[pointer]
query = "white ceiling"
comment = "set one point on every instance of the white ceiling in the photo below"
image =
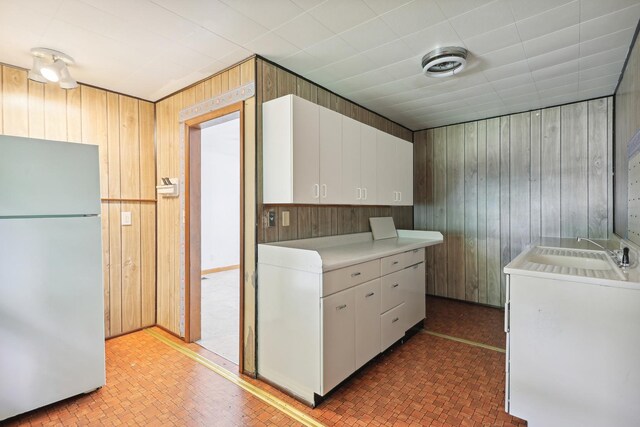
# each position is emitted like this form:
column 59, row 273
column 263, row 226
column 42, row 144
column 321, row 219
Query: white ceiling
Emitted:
column 525, row 54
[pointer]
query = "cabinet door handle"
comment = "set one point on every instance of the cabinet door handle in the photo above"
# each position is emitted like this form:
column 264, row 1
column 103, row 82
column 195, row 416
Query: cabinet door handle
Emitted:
column 395, row 285
column 316, row 191
column 340, row 307
column 357, row 273
column 359, row 196
column 399, row 196
column 394, row 262
column 395, row 320
column 324, row 191
column 365, row 193
column 370, row 294
column 395, row 196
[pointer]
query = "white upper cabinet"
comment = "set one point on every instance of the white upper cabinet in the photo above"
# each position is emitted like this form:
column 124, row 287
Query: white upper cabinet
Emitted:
column 314, row 155
column 330, row 155
column 291, row 142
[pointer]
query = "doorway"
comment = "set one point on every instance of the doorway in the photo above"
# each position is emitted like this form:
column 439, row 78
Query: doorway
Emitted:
column 214, row 195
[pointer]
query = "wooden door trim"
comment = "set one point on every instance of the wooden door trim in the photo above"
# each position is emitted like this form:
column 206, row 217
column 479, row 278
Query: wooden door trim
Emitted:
column 192, row 296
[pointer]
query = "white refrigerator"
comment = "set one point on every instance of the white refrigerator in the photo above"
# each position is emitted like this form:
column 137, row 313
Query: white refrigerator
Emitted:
column 51, row 292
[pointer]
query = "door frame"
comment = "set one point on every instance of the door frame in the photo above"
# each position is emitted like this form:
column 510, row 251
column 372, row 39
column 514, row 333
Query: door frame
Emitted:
column 192, row 217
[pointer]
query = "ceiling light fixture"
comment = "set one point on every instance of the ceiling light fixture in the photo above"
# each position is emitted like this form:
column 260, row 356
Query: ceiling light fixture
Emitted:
column 51, row 66
column 444, row 61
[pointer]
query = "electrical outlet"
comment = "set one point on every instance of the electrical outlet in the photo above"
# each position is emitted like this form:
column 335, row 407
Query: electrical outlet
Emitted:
column 285, row 218
column 125, row 218
column 271, row 219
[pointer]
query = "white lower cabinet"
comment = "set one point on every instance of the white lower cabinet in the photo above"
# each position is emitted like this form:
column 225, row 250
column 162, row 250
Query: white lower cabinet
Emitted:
column 415, row 288
column 338, row 338
column 392, row 325
column 367, row 321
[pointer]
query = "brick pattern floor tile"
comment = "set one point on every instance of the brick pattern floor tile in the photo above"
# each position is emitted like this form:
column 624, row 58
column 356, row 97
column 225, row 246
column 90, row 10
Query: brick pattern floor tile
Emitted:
column 425, row 381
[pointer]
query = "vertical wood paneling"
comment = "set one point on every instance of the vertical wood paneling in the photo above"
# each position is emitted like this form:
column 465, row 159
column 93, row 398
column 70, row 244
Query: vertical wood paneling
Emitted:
column 113, row 138
column 36, row 109
column 15, row 102
column 494, row 271
column 440, row 209
column 534, row 175
column 482, row 212
column 550, row 173
column 513, row 168
column 148, row 263
column 573, row 163
column 455, row 211
column 147, row 151
column 55, row 113
column 129, row 148
column 471, row 210
column 115, row 269
column 428, row 176
column 420, row 181
column 519, row 183
column 131, row 280
column 74, row 115
column 598, row 206
column 505, row 202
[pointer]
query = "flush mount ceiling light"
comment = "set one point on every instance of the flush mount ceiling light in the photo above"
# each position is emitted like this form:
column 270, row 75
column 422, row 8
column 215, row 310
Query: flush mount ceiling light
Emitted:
column 444, row 61
column 51, row 66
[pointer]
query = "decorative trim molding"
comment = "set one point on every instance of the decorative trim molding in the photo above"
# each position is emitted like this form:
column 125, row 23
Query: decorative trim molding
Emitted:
column 236, row 95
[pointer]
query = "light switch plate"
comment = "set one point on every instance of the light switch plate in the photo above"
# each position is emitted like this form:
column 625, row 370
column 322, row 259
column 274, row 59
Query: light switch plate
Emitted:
column 125, row 218
column 285, row 218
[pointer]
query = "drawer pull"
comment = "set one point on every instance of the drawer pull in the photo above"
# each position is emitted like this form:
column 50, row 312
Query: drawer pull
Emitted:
column 394, row 262
column 395, row 285
column 340, row 307
column 370, row 294
column 355, row 274
column 395, row 320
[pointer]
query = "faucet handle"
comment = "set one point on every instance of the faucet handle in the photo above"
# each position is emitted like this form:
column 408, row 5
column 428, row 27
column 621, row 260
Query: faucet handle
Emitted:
column 625, row 257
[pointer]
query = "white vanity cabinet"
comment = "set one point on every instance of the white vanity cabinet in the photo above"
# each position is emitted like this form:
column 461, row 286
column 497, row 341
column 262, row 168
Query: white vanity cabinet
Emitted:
column 327, row 306
column 314, row 155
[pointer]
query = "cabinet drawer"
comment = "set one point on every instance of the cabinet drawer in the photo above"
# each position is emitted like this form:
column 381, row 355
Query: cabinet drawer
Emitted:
column 393, row 263
column 415, row 256
column 393, row 290
column 392, row 326
column 343, row 278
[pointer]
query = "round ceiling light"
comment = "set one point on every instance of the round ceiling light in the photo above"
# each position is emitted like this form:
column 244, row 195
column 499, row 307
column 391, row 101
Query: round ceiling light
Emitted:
column 444, row 61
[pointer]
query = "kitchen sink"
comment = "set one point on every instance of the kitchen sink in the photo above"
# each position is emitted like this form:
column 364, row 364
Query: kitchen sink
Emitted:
column 575, row 262
column 571, row 262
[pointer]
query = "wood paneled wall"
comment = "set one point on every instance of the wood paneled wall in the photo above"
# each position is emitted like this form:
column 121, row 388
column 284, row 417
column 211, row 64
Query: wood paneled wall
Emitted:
column 492, row 186
column 123, row 127
column 627, row 118
column 310, row 220
column 169, row 161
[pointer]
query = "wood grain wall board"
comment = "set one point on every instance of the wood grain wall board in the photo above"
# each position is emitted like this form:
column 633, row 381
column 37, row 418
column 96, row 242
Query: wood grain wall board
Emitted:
column 305, row 221
column 216, row 85
column 106, row 266
column 129, row 148
column 347, row 219
column 471, row 211
column 440, row 209
column 247, row 73
column 55, row 113
column 94, row 130
column 306, row 90
column 429, row 210
column 519, row 182
column 113, row 137
column 147, row 150
column 505, row 203
column 324, row 221
column 286, row 83
column 534, row 175
column 402, row 217
column 324, row 97
column 36, row 109
column 573, row 162
column 74, row 115
column 482, row 212
column 148, row 263
column 224, row 82
column 131, row 280
column 598, row 202
column 15, row 102
column 455, row 211
column 420, row 181
column 550, row 173
column 494, row 259
column 115, row 270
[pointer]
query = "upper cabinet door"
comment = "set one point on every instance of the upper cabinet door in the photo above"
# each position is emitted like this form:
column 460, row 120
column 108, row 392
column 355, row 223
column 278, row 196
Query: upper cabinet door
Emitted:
column 291, row 171
column 352, row 193
column 368, row 165
column 387, row 167
column 405, row 172
column 330, row 154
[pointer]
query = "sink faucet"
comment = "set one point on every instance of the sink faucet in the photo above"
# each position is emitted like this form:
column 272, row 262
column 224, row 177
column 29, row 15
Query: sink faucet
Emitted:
column 624, row 262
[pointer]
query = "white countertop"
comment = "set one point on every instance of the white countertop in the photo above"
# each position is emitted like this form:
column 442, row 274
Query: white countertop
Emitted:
column 341, row 251
column 521, row 264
